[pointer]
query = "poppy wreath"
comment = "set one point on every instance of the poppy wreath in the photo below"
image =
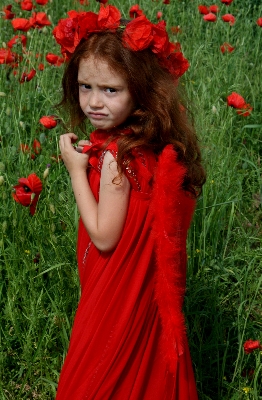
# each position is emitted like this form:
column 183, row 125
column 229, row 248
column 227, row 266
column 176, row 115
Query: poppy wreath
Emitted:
column 138, row 35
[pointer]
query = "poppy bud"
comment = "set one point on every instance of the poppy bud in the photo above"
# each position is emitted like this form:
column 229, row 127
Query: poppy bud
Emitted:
column 4, row 226
column 46, row 172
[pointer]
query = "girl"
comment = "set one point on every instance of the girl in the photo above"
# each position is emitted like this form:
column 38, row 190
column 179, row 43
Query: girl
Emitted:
column 135, row 184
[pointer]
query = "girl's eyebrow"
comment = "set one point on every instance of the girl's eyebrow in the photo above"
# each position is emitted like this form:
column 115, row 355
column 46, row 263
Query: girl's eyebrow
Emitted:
column 105, row 85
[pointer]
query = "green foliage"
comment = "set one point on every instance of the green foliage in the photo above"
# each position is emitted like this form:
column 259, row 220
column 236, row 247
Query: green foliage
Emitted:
column 39, row 282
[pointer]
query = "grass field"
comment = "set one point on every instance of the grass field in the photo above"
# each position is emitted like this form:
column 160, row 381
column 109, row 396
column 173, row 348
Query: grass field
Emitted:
column 39, row 282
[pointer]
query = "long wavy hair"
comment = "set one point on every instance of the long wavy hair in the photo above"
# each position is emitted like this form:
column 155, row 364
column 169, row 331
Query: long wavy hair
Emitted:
column 160, row 117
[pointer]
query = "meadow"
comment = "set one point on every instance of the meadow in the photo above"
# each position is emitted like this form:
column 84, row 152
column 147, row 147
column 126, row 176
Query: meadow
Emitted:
column 39, row 288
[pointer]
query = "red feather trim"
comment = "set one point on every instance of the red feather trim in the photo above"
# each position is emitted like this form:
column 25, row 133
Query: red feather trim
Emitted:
column 172, row 209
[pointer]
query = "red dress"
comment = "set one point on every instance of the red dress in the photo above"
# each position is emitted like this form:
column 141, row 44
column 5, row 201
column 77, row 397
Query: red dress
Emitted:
column 115, row 350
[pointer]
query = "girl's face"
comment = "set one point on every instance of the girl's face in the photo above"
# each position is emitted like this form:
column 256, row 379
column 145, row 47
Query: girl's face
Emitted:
column 103, row 94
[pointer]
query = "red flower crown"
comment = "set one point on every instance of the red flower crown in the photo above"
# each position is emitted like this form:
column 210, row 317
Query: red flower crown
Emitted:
column 138, row 34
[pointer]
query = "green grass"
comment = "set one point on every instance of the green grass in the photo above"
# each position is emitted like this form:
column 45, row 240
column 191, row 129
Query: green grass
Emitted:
column 39, row 282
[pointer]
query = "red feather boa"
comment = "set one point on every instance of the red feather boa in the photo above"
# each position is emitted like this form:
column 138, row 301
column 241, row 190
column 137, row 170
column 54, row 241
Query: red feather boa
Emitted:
column 172, row 209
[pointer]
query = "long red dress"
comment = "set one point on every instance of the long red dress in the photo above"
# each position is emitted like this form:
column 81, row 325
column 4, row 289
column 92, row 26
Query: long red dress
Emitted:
column 115, row 350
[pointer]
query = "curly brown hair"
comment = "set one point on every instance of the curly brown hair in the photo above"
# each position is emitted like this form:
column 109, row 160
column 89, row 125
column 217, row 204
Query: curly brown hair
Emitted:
column 160, row 116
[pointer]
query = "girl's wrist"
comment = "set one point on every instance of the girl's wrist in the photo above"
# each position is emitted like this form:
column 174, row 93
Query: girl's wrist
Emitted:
column 76, row 173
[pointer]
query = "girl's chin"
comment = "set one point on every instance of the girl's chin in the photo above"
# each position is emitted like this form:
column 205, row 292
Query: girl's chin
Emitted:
column 104, row 127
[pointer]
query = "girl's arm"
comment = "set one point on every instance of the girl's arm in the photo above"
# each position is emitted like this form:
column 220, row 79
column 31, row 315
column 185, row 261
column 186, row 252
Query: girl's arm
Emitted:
column 104, row 221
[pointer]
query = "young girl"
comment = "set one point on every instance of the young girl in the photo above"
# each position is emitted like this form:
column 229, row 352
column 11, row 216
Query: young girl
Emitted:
column 135, row 184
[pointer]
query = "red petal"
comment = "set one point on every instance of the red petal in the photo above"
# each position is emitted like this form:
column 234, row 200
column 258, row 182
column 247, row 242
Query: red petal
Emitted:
column 108, row 17
column 138, row 33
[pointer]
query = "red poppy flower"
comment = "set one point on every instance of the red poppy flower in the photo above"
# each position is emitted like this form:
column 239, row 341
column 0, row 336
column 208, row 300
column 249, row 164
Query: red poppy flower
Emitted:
column 160, row 43
column 84, row 2
column 178, row 64
column 26, row 5
column 102, row 1
column 88, row 22
column 41, row 67
column 39, row 20
column 210, row 17
column 135, row 11
column 259, row 22
column 138, row 33
column 64, row 34
column 48, row 121
column 28, row 191
column 229, row 18
column 27, row 77
column 54, row 59
column 226, row 47
column 166, row 1
column 16, row 39
column 7, row 57
column 108, row 17
column 159, row 15
column 37, row 146
column 235, row 100
column 41, row 2
column 214, row 9
column 251, row 345
column 203, row 9
column 245, row 110
column 227, row 2
column 8, row 12
column 21, row 24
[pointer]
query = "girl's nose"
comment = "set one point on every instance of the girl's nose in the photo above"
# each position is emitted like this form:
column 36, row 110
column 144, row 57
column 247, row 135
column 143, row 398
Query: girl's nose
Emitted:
column 95, row 100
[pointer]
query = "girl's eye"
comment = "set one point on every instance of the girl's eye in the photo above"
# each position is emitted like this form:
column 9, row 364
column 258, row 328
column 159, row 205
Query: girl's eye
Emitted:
column 84, row 87
column 110, row 90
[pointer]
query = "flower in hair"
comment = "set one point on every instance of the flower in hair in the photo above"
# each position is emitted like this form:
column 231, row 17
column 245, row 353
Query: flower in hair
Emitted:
column 135, row 11
column 108, row 18
column 70, row 31
column 138, row 34
column 160, row 43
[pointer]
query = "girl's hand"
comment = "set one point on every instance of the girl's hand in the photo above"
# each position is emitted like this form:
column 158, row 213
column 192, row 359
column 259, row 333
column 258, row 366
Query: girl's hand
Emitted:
column 73, row 160
column 81, row 145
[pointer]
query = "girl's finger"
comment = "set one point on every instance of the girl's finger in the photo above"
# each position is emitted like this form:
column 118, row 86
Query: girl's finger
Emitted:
column 84, row 143
column 69, row 136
